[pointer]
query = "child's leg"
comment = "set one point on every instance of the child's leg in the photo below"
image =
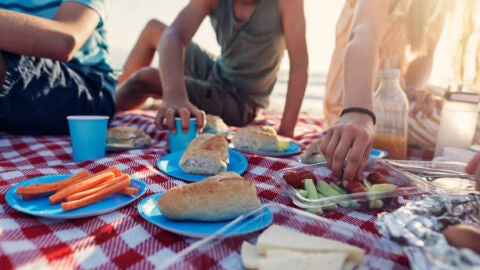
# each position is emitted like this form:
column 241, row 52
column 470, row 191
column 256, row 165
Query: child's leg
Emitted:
column 137, row 88
column 144, row 49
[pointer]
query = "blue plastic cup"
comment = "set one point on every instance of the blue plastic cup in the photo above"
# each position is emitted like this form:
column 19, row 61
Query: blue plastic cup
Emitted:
column 89, row 136
column 179, row 140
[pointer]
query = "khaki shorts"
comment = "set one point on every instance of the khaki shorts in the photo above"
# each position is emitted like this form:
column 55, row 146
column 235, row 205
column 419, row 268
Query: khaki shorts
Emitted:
column 212, row 94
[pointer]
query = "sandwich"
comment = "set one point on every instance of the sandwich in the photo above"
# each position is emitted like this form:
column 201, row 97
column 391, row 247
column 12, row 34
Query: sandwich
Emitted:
column 207, row 154
column 220, row 197
column 128, row 137
column 215, row 125
column 256, row 138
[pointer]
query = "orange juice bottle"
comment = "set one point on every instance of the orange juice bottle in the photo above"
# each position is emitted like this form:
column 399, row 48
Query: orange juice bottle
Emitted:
column 391, row 110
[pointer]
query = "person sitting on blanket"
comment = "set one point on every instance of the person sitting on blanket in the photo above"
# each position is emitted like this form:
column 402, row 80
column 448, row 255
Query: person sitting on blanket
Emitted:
column 400, row 34
column 252, row 35
column 53, row 63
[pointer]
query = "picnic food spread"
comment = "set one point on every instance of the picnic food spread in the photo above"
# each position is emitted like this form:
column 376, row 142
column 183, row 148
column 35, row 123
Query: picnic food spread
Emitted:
column 221, row 198
column 278, row 246
column 256, row 138
column 224, row 196
column 207, row 154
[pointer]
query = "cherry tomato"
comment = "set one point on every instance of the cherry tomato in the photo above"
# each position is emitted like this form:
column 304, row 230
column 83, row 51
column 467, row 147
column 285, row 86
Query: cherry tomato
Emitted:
column 376, row 178
column 309, row 175
column 294, row 179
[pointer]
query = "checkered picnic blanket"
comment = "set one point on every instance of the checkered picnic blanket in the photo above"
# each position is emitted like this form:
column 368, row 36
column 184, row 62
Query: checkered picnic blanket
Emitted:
column 123, row 239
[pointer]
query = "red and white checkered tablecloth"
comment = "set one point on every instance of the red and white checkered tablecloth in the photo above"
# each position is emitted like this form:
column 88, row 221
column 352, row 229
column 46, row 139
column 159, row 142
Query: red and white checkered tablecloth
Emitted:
column 123, row 239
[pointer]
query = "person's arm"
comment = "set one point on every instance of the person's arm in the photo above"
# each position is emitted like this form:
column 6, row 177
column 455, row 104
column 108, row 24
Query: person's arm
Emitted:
column 418, row 74
column 58, row 38
column 353, row 133
column 293, row 20
column 144, row 49
column 171, row 49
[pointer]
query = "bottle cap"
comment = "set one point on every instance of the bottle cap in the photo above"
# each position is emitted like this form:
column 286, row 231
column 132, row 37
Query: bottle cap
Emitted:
column 389, row 73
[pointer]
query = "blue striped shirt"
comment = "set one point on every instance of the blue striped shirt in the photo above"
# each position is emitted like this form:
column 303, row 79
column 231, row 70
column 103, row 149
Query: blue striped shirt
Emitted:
column 94, row 54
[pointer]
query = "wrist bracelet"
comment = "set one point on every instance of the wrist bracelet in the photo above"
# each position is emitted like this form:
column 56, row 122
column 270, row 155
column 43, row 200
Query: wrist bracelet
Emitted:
column 360, row 110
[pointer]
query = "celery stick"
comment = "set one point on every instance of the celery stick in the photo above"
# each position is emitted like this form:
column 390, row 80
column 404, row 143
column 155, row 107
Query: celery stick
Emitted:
column 316, row 210
column 346, row 203
column 338, row 189
column 302, row 192
column 375, row 204
column 326, row 189
column 311, row 190
column 367, row 184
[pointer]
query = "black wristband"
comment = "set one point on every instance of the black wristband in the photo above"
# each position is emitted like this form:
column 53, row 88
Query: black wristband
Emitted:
column 360, row 110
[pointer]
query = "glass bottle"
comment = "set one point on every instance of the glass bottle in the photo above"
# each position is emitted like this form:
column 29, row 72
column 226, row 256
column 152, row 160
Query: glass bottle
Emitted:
column 391, row 110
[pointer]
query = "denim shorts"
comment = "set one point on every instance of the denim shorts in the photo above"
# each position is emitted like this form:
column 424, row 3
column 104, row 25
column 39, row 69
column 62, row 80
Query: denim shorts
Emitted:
column 39, row 93
column 212, row 94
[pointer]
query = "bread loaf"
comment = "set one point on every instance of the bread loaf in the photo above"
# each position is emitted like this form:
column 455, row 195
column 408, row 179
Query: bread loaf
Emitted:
column 220, row 197
column 207, row 154
column 256, row 138
column 128, row 137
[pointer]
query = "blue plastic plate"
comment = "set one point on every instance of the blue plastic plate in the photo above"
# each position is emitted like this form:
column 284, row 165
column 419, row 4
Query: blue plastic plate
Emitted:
column 169, row 165
column 148, row 209
column 42, row 207
column 293, row 148
column 376, row 154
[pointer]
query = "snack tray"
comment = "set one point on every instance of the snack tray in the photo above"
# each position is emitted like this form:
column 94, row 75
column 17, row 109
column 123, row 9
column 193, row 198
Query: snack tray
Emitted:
column 217, row 252
column 407, row 187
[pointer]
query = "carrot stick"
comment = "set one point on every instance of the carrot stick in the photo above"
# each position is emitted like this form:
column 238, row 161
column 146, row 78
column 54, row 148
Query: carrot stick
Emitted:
column 116, row 171
column 129, row 191
column 95, row 197
column 85, row 184
column 85, row 193
column 48, row 187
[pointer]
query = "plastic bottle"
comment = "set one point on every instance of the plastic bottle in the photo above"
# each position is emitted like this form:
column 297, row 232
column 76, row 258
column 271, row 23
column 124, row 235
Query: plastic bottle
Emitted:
column 391, row 110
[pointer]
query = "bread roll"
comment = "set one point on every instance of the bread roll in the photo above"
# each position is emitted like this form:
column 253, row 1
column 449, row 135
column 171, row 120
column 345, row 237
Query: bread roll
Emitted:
column 256, row 138
column 207, row 154
column 128, row 136
column 215, row 125
column 220, row 197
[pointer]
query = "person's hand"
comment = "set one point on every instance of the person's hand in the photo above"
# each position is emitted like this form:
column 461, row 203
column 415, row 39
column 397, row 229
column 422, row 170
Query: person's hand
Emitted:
column 168, row 110
column 348, row 140
column 474, row 168
column 424, row 102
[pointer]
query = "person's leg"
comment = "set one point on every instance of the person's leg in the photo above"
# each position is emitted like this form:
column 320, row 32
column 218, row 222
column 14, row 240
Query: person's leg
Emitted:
column 144, row 49
column 3, row 69
column 39, row 93
column 137, row 88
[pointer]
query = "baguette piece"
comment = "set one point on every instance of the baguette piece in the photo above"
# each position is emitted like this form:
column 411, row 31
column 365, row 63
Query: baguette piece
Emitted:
column 207, row 154
column 220, row 197
column 256, row 138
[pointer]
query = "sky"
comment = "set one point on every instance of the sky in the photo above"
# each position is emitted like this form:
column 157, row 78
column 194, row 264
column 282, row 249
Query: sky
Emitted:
column 127, row 18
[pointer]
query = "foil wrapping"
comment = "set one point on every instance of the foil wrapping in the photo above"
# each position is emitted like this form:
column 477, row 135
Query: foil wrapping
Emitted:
column 418, row 224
